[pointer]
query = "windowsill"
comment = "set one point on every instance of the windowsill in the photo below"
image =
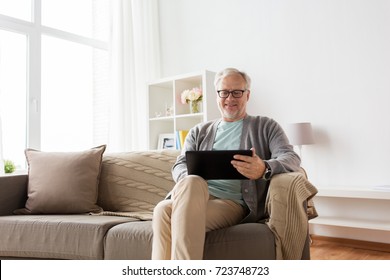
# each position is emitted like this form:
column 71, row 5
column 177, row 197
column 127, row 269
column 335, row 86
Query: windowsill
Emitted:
column 15, row 173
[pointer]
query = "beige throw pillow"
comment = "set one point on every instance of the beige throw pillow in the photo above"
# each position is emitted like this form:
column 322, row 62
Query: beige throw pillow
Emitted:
column 63, row 182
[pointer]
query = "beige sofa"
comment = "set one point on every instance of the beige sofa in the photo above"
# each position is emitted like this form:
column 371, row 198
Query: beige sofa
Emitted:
column 130, row 185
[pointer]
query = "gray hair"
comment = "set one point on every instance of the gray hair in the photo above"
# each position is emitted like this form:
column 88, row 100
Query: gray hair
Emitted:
column 231, row 71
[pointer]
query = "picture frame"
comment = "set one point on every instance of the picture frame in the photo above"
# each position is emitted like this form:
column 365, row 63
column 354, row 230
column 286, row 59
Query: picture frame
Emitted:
column 166, row 141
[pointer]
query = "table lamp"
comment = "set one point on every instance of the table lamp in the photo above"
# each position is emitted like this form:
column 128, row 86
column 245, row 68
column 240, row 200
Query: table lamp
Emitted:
column 300, row 134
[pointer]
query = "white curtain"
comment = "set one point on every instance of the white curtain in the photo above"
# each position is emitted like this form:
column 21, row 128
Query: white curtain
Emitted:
column 135, row 61
column 1, row 148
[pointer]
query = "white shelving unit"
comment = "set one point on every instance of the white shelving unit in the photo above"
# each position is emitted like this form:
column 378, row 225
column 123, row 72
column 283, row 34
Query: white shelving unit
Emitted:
column 353, row 212
column 166, row 112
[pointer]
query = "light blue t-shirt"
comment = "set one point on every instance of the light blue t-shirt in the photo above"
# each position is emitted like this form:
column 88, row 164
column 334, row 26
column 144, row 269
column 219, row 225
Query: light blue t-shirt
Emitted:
column 228, row 137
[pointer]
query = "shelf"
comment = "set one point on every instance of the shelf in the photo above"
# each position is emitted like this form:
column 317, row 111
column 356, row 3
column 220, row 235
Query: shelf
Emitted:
column 166, row 93
column 352, row 223
column 352, row 212
column 169, row 118
column 176, row 116
column 190, row 115
column 354, row 192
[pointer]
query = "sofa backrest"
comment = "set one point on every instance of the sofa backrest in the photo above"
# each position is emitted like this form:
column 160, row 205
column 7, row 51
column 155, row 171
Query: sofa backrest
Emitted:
column 135, row 181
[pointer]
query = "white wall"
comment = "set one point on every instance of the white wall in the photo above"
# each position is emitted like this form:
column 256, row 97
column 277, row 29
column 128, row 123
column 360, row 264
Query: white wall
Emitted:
column 323, row 61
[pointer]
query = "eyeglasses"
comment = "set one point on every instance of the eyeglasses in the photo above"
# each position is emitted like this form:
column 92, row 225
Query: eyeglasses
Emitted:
column 237, row 93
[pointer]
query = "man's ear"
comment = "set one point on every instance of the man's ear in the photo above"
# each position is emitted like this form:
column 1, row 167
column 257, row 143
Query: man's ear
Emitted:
column 248, row 94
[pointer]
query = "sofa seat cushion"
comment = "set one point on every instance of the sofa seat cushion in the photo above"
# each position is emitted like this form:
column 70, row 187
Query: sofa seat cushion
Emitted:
column 252, row 241
column 129, row 241
column 55, row 236
column 133, row 241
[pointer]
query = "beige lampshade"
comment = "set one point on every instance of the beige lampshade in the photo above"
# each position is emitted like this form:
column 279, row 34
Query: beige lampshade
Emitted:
column 300, row 133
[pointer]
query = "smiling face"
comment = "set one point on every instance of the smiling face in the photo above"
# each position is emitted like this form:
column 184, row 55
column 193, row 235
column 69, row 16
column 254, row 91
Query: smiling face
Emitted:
column 231, row 108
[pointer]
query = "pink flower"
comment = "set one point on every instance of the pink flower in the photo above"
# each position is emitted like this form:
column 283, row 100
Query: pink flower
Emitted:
column 194, row 94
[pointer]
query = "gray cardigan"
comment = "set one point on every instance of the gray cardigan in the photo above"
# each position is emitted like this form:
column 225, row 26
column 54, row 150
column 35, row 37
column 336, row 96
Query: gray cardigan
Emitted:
column 271, row 144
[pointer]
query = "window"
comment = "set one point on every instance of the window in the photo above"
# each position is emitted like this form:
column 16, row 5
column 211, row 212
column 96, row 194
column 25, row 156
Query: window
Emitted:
column 87, row 18
column 53, row 75
column 20, row 9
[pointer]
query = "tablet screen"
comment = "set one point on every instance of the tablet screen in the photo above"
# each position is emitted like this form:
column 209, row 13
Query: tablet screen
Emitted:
column 212, row 165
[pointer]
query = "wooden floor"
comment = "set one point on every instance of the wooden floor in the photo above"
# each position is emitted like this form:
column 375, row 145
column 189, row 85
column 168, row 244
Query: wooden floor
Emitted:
column 323, row 248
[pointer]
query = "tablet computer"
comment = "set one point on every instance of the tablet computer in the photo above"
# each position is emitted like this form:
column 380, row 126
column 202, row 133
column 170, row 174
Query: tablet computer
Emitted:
column 212, row 165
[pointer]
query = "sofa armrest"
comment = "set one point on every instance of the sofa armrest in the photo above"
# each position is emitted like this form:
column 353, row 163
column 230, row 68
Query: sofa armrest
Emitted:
column 286, row 205
column 13, row 193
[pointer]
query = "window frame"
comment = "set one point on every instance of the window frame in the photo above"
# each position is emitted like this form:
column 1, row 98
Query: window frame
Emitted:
column 34, row 31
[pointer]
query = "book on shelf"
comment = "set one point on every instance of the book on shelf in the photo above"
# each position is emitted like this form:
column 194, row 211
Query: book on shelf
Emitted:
column 180, row 138
column 177, row 140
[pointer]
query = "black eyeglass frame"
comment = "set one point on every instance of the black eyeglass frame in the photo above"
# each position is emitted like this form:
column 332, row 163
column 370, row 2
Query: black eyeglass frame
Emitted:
column 237, row 93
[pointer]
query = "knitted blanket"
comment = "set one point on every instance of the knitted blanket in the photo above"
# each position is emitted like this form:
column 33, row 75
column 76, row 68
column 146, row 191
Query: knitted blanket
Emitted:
column 288, row 217
column 141, row 216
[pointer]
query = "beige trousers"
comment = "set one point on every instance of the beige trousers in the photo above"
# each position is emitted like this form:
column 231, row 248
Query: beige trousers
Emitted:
column 180, row 223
